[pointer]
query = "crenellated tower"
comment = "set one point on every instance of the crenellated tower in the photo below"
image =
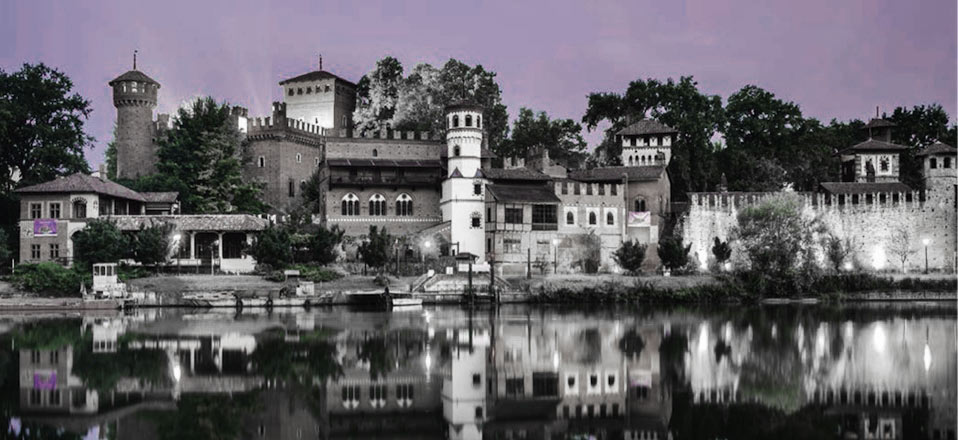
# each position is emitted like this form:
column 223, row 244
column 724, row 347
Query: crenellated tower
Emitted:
column 463, row 190
column 134, row 96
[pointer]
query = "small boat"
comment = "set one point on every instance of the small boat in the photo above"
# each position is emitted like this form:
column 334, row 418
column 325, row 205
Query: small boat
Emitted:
column 405, row 301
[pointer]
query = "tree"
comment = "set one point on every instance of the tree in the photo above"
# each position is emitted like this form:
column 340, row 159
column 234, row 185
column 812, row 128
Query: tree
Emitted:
column 202, row 157
column 837, row 250
column 324, row 243
column 5, row 253
column 630, row 256
column 375, row 250
column 311, row 191
column 532, row 132
column 273, row 247
column 778, row 240
column 721, row 250
column 41, row 126
column 153, row 245
column 110, row 155
column 915, row 128
column 99, row 242
column 901, row 245
column 674, row 256
column 377, row 94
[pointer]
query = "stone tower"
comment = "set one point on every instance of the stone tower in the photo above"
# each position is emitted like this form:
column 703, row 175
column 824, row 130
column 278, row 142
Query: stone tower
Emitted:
column 463, row 191
column 134, row 96
column 646, row 143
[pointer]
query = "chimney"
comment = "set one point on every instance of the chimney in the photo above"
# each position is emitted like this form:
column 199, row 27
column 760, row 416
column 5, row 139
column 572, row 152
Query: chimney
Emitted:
column 101, row 171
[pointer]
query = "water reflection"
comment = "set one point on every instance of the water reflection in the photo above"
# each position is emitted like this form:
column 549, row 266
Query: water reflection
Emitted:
column 511, row 373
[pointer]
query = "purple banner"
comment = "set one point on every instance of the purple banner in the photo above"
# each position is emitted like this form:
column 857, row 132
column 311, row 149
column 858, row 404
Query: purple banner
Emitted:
column 45, row 382
column 44, row 227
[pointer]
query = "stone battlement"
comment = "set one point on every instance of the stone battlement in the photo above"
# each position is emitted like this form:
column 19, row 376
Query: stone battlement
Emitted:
column 382, row 134
column 732, row 201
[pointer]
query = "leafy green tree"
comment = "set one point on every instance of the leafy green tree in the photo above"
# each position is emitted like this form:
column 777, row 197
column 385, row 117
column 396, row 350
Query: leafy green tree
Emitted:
column 673, row 254
column 531, row 132
column 273, row 247
column 630, row 256
column 324, row 243
column 721, row 250
column 153, row 245
column 917, row 127
column 377, row 94
column 202, row 158
column 375, row 250
column 99, row 242
column 41, row 126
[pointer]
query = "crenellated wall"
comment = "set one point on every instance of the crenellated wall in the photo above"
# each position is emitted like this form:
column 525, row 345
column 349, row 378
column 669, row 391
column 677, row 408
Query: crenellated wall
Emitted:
column 869, row 222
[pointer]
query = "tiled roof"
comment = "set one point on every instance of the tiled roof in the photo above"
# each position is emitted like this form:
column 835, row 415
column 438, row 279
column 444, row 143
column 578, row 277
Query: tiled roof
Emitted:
column 83, row 183
column 160, row 197
column 314, row 76
column 607, row 174
column 646, row 126
column 938, row 148
column 385, row 163
column 199, row 222
column 515, row 174
column 878, row 122
column 523, row 193
column 864, row 187
column 874, row 145
column 134, row 75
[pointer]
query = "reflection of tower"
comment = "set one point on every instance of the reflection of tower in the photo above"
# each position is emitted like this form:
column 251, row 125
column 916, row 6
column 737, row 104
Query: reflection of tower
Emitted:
column 464, row 385
column 134, row 96
column 463, row 190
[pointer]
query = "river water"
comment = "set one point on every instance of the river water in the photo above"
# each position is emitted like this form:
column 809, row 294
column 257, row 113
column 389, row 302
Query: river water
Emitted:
column 517, row 372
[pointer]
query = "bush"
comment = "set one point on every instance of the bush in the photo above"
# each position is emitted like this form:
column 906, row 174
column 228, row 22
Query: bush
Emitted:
column 273, row 247
column 49, row 279
column 674, row 256
column 99, row 242
column 323, row 244
column 722, row 250
column 153, row 245
column 375, row 250
column 630, row 256
column 317, row 274
column 381, row 280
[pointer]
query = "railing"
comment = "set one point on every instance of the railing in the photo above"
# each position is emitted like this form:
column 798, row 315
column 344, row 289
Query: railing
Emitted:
column 378, row 180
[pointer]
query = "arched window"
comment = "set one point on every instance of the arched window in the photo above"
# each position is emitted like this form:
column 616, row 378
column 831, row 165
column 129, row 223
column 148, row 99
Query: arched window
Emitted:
column 404, row 205
column 639, row 204
column 455, row 121
column 377, row 205
column 375, row 152
column 262, row 161
column 299, row 158
column 569, row 218
column 455, row 151
column 479, row 121
column 79, row 208
column 350, row 204
column 592, row 218
column 630, row 160
column 468, row 120
column 610, row 219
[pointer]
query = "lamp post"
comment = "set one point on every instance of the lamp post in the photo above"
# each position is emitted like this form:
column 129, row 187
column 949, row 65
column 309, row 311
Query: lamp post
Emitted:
column 925, row 241
column 555, row 255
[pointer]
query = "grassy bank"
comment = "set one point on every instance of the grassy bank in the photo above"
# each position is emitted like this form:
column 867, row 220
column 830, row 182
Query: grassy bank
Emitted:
column 731, row 288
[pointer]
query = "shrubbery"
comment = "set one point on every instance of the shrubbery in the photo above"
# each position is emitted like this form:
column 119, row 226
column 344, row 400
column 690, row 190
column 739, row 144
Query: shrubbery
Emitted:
column 49, row 279
column 674, row 256
column 630, row 256
column 99, row 242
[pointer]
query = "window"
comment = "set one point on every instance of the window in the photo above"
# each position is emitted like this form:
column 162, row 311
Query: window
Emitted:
column 947, row 162
column 565, row 188
column 610, row 219
column 36, row 210
column 476, row 379
column 614, row 189
column 515, row 386
column 455, row 151
column 351, row 396
column 476, row 220
column 34, row 252
column 575, row 189
column 477, row 189
column 545, row 384
column 569, row 218
column 468, row 120
column 262, row 161
column 514, row 215
column 883, row 165
column 291, row 91
column 350, row 205
column 344, row 122
column 291, row 188
column 55, row 210
column 639, row 205
column 309, row 90
column 404, row 393
column 933, row 163
column 478, row 412
column 299, row 158
column 377, row 395
column 478, row 121
column 601, row 189
column 35, row 356
column 404, row 205
column 54, row 251
column 511, row 245
column 327, row 88
column 544, row 218
column 79, row 208
column 54, row 398
column 377, row 205
column 592, row 218
column 299, row 91
column 455, row 121
column 375, row 152
column 588, row 189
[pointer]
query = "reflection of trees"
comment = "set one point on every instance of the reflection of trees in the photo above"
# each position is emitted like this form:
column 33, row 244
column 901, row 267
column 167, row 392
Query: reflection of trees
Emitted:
column 312, row 357
column 205, row 417
column 589, row 347
column 748, row 421
column 101, row 371
column 376, row 352
column 631, row 344
column 49, row 334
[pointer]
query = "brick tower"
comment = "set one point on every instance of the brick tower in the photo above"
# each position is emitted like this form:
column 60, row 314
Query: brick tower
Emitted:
column 134, row 96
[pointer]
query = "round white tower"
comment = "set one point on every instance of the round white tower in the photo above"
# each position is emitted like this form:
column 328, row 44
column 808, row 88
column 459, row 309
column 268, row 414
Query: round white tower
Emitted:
column 463, row 191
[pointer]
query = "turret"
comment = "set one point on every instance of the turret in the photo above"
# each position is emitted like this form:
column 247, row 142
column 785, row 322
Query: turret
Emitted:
column 463, row 191
column 646, row 143
column 134, row 96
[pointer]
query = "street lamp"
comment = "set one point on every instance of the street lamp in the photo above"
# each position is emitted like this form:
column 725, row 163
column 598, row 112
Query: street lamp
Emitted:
column 926, row 241
column 555, row 256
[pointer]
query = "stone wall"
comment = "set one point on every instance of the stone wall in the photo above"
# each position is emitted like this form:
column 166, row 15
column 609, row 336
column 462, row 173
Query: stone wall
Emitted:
column 283, row 161
column 869, row 227
column 425, row 210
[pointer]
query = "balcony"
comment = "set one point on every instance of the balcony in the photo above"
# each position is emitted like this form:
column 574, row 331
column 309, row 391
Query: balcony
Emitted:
column 384, row 180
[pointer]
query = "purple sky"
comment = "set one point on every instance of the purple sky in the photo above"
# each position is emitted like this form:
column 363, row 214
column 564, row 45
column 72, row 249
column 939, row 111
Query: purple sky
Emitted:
column 836, row 59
